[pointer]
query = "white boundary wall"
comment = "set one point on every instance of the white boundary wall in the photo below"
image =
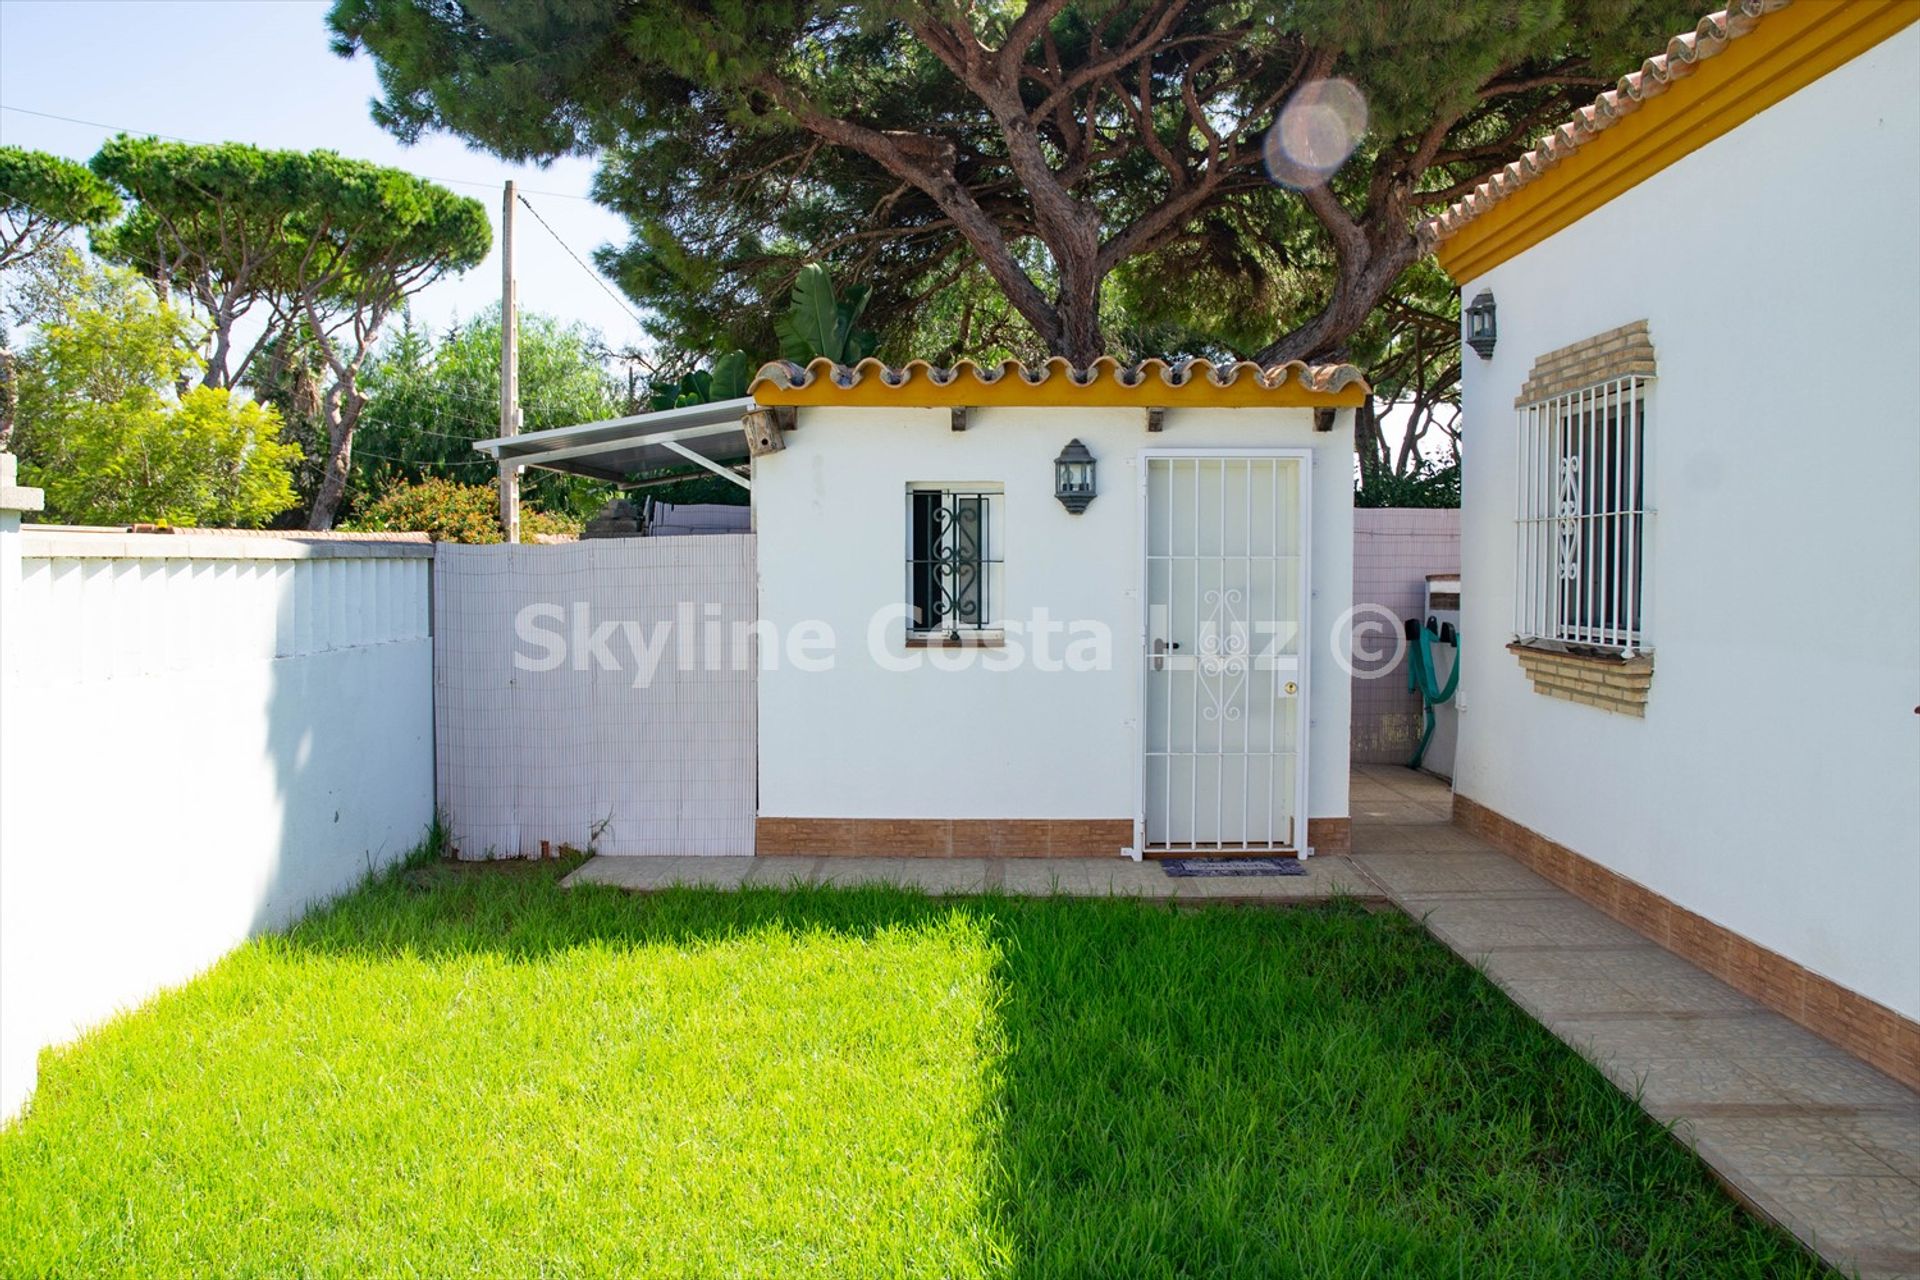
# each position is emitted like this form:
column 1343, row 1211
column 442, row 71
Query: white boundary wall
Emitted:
column 1774, row 785
column 1394, row 549
column 203, row 736
column 588, row 752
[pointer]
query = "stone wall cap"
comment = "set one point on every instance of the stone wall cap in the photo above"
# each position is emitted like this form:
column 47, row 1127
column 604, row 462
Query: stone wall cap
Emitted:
column 14, row 496
column 71, row 542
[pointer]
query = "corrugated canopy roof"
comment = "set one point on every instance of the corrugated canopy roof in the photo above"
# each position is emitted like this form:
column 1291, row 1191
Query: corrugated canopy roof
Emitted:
column 619, row 448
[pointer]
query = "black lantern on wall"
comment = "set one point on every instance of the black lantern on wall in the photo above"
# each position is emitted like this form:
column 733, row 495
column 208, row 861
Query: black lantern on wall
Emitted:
column 1481, row 331
column 1073, row 477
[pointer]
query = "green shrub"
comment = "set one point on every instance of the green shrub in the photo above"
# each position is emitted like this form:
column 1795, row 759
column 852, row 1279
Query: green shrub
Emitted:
column 1434, row 485
column 105, row 429
column 451, row 512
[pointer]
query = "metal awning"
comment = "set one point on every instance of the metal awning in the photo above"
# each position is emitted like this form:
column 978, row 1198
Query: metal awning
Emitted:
column 708, row 435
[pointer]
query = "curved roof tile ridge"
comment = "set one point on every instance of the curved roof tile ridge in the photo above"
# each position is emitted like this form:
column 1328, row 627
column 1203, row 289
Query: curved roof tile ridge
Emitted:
column 1326, row 378
column 1684, row 52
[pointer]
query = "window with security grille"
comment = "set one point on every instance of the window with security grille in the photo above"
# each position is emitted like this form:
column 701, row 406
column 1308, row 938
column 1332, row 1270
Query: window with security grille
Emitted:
column 1581, row 559
column 953, row 559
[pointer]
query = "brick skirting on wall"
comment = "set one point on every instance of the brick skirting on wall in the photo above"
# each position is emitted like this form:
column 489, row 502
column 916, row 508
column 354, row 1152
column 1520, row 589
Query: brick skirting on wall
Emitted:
column 980, row 837
column 945, row 837
column 1330, row 835
column 1862, row 1027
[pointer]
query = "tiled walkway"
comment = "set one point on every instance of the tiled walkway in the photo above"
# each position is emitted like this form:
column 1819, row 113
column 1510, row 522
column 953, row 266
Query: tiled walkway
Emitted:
column 1808, row 1135
column 1076, row 877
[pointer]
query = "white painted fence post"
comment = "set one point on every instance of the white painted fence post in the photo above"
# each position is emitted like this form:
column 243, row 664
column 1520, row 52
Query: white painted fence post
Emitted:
column 18, row 1049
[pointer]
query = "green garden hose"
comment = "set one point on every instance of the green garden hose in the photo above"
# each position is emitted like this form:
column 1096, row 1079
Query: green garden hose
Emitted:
column 1421, row 677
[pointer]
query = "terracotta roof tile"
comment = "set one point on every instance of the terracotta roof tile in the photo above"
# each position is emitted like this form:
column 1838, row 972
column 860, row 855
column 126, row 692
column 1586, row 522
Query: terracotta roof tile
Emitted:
column 1656, row 75
column 1320, row 379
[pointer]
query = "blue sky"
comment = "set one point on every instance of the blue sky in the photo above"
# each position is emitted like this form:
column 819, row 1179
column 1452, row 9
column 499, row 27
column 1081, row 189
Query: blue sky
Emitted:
column 260, row 71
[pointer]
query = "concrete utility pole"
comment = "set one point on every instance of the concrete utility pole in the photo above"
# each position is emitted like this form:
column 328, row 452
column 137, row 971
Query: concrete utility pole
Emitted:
column 509, row 370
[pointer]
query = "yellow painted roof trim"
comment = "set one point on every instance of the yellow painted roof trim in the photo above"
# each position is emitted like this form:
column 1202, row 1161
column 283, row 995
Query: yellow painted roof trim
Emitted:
column 1105, row 383
column 1784, row 53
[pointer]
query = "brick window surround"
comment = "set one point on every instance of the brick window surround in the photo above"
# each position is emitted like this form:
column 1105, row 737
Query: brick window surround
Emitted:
column 1602, row 680
column 1618, row 353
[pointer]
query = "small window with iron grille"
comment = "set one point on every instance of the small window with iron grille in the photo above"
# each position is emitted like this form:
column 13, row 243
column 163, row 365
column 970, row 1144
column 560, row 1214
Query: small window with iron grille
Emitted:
column 953, row 560
column 1581, row 559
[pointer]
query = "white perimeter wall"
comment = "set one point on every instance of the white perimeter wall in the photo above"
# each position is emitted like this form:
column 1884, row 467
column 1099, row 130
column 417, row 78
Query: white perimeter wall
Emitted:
column 1774, row 786
column 203, row 736
column 551, row 725
column 860, row 741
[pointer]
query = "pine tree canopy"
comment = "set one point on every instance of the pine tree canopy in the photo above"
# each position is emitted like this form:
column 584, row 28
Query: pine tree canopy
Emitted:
column 1021, row 158
column 44, row 196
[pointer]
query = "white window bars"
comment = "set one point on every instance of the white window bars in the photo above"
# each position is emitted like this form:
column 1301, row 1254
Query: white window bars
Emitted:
column 1582, row 519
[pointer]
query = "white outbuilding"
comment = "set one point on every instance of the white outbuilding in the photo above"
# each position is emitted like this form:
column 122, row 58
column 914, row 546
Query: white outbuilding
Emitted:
column 1053, row 611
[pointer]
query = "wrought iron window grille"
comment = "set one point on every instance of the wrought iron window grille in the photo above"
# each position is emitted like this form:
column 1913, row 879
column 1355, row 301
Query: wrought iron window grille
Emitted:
column 953, row 560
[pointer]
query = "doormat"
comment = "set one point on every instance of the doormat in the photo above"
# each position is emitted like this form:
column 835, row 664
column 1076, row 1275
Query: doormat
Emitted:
column 1234, row 866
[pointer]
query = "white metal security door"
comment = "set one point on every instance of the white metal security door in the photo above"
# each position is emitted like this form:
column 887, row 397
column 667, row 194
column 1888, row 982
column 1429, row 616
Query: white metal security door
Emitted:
column 1224, row 718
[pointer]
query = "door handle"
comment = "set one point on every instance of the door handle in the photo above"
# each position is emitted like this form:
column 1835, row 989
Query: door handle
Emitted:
column 1160, row 650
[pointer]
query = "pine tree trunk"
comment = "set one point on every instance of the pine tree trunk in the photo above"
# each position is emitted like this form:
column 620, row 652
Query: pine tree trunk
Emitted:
column 1078, row 306
column 1368, row 268
column 342, row 414
column 333, row 483
column 9, row 393
column 1368, row 441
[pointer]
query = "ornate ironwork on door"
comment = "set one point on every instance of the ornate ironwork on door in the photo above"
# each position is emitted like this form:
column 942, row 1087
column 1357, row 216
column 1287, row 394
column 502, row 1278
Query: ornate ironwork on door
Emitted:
column 1224, row 655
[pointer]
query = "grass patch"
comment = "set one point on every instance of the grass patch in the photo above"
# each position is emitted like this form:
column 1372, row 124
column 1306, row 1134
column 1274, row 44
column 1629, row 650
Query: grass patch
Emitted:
column 459, row 1073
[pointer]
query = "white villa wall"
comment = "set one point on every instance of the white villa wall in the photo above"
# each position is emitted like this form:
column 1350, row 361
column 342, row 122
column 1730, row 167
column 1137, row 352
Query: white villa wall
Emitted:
column 204, row 735
column 861, row 741
column 1774, row 785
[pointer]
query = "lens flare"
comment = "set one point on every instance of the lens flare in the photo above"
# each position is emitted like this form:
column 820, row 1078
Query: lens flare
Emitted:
column 1317, row 130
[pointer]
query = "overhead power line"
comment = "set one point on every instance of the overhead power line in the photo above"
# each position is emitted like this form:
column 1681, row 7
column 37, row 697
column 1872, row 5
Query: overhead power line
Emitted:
column 597, row 277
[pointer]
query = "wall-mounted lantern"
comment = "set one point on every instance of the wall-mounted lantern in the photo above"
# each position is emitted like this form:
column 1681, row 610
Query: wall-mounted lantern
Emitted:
column 1073, row 477
column 1480, row 327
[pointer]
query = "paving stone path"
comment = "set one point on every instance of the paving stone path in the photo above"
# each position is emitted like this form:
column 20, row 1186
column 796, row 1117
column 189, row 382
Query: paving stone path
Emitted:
column 1802, row 1131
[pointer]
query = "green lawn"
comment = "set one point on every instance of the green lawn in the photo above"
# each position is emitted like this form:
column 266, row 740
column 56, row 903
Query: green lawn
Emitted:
column 474, row 1073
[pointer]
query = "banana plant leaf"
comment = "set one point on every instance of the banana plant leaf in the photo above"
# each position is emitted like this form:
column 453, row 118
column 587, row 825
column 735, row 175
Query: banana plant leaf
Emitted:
column 818, row 323
column 727, row 380
column 855, row 344
column 811, row 326
column 731, row 373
